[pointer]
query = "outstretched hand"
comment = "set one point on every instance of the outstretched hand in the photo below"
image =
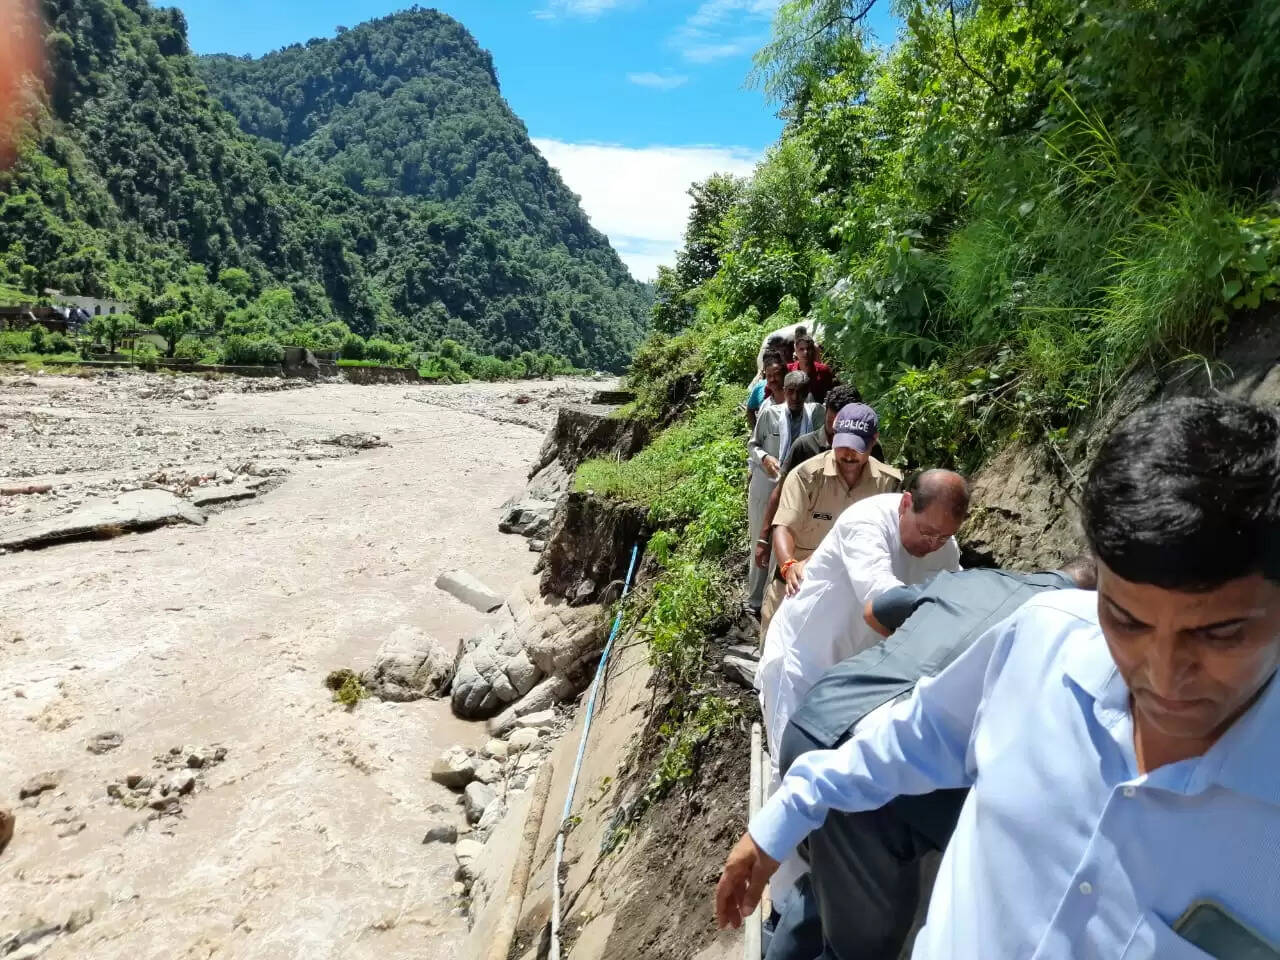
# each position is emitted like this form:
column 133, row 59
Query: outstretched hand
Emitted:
column 795, row 577
column 742, row 882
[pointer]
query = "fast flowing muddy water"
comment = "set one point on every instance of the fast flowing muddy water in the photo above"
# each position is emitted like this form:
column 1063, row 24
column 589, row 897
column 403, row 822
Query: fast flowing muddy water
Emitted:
column 305, row 840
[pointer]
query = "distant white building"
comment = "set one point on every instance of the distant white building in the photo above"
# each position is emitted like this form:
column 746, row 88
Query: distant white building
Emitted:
column 93, row 306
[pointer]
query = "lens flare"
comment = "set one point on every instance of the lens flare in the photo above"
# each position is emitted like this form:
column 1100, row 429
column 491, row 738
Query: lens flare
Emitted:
column 21, row 66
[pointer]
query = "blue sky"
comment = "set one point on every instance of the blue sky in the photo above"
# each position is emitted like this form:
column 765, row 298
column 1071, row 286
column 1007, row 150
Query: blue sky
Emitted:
column 630, row 100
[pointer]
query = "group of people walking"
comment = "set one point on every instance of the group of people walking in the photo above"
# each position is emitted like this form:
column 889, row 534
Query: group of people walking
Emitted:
column 1093, row 747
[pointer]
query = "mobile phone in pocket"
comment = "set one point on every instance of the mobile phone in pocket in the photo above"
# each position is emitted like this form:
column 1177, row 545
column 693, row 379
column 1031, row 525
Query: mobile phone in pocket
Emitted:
column 1214, row 930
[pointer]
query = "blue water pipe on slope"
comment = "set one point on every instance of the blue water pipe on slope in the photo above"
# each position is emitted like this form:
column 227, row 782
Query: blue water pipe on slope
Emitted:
column 577, row 764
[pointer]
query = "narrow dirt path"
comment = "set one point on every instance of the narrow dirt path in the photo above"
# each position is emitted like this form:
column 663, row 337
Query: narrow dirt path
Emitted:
column 305, row 841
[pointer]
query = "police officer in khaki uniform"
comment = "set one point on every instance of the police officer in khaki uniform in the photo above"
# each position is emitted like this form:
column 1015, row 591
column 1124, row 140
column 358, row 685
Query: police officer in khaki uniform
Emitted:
column 817, row 491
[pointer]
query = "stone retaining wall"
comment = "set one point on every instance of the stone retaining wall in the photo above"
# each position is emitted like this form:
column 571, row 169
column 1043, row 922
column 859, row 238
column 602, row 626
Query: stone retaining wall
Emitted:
column 367, row 375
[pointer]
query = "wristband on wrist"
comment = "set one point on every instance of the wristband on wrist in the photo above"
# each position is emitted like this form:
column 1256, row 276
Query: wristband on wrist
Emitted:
column 787, row 565
column 763, row 542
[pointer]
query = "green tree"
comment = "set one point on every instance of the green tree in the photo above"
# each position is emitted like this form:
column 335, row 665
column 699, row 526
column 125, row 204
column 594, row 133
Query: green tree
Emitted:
column 30, row 279
column 236, row 281
column 173, row 327
column 353, row 347
column 705, row 238
column 110, row 329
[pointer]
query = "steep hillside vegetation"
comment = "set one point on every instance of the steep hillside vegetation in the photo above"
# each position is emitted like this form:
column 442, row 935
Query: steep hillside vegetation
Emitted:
column 133, row 180
column 995, row 223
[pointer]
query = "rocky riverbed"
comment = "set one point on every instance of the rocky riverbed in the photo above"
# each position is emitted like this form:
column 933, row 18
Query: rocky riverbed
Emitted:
column 183, row 782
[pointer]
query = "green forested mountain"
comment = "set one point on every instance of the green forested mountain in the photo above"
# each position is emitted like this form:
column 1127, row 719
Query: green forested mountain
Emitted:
column 407, row 105
column 382, row 183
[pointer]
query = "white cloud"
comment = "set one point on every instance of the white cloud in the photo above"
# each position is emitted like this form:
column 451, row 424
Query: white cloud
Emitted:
column 638, row 196
column 658, row 81
column 720, row 29
column 734, row 47
column 575, row 8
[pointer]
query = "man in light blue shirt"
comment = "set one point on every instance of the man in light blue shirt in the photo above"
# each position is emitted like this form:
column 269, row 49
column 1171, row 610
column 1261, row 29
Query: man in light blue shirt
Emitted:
column 1123, row 747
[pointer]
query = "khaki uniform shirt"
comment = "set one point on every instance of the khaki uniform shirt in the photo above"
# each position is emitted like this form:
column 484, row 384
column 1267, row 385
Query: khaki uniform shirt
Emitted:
column 814, row 495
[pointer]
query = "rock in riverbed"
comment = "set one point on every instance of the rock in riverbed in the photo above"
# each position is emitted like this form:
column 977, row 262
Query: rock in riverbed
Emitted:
column 454, row 769
column 442, row 834
column 469, row 590
column 537, row 721
column 39, row 784
column 104, row 742
column 468, row 852
column 476, row 799
column 522, row 740
column 410, row 665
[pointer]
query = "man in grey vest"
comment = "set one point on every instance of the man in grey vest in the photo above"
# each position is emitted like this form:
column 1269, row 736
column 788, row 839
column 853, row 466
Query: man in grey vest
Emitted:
column 777, row 427
column 863, row 888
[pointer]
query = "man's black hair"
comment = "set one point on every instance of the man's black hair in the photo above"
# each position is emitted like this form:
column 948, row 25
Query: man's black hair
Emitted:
column 1185, row 494
column 771, row 357
column 839, row 397
column 945, row 486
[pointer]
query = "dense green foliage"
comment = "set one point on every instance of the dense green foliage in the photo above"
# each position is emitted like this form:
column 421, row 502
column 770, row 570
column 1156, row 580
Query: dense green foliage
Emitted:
column 992, row 222
column 133, row 181
column 453, row 363
column 997, row 218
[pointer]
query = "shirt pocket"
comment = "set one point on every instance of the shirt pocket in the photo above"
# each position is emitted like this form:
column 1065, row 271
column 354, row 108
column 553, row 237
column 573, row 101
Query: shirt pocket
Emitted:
column 1153, row 939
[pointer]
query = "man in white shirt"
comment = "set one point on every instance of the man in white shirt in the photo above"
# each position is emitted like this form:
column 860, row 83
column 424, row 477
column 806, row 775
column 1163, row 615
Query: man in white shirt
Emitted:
column 877, row 544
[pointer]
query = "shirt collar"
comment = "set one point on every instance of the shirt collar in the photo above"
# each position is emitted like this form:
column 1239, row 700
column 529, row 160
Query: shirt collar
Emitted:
column 1087, row 662
column 1245, row 760
column 872, row 470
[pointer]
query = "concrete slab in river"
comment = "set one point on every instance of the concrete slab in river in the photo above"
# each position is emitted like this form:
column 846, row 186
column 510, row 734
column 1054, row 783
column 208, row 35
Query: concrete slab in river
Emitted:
column 136, row 510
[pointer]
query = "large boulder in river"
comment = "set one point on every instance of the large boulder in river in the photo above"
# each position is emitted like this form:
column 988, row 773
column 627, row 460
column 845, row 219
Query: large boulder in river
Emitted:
column 541, row 698
column 506, row 663
column 476, row 799
column 492, row 672
column 410, row 665
column 455, row 768
column 529, row 515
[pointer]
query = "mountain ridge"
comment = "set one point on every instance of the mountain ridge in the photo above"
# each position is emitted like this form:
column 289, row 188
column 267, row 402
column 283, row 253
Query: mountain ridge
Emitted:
column 134, row 179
